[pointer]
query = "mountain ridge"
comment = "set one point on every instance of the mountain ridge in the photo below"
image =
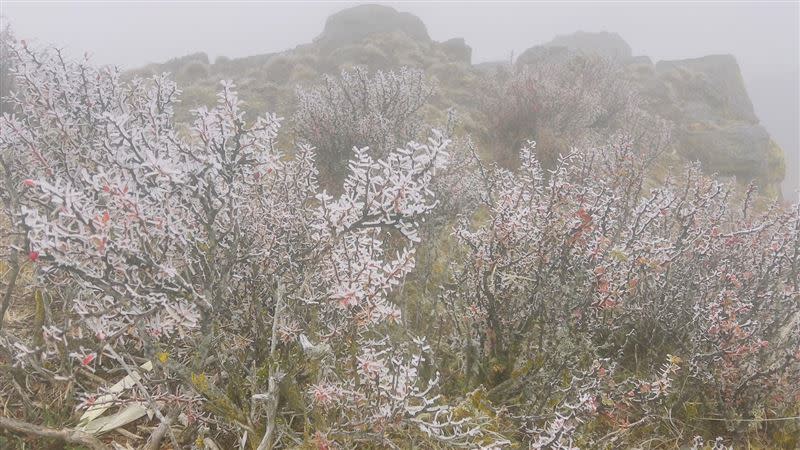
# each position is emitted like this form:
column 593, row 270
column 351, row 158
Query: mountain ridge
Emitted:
column 704, row 97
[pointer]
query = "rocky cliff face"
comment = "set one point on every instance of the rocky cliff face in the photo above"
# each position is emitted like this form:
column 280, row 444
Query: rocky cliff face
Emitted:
column 705, row 97
column 716, row 124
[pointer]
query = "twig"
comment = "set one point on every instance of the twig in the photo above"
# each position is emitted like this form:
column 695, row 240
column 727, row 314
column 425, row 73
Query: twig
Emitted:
column 769, row 419
column 128, row 434
column 274, row 376
column 65, row 434
column 154, row 442
column 15, row 270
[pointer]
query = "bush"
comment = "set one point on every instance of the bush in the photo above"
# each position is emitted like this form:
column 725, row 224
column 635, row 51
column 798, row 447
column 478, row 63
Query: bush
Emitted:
column 357, row 109
column 575, row 289
column 210, row 269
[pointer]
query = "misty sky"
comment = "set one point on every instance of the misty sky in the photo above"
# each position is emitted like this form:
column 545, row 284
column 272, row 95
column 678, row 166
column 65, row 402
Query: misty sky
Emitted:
column 764, row 36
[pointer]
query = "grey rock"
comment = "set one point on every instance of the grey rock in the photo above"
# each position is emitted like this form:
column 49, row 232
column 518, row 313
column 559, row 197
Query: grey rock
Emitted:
column 352, row 25
column 715, row 123
column 457, row 50
column 709, row 86
column 541, row 54
column 733, row 149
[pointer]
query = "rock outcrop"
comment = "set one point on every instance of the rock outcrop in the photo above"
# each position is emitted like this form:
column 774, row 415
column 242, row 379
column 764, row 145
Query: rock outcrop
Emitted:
column 715, row 122
column 708, row 88
column 351, row 25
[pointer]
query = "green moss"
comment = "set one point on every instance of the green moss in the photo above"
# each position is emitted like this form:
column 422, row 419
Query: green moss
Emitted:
column 217, row 402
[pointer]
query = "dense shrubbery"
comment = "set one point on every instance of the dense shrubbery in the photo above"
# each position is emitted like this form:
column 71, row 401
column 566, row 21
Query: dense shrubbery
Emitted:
column 580, row 274
column 245, row 305
column 183, row 246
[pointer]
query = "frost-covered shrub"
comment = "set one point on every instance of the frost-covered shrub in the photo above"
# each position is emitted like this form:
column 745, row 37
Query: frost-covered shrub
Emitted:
column 358, row 109
column 202, row 264
column 585, row 264
column 209, row 253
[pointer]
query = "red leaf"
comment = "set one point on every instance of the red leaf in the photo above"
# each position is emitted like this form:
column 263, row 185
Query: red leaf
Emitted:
column 584, row 216
column 87, row 359
column 33, row 256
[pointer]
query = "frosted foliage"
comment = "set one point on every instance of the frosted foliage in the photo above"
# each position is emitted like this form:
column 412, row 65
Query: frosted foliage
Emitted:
column 170, row 237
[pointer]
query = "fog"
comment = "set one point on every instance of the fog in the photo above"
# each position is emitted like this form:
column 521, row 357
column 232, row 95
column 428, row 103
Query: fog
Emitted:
column 763, row 36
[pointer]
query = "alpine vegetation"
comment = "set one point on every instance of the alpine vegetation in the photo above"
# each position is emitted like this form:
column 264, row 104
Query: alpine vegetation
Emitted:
column 370, row 273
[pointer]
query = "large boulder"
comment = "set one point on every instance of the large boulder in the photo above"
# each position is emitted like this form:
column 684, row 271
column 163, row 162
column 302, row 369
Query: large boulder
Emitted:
column 715, row 123
column 733, row 148
column 352, row 25
column 709, row 88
